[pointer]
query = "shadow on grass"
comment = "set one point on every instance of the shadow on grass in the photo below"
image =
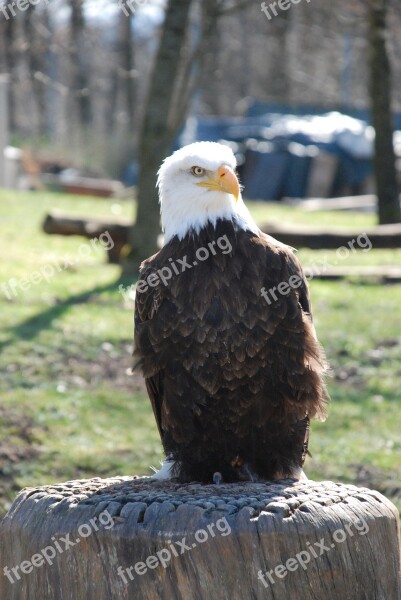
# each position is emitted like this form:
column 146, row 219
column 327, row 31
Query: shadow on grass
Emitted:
column 29, row 329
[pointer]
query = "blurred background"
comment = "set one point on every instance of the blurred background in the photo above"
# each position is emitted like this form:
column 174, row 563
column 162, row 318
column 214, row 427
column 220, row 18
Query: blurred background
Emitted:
column 93, row 96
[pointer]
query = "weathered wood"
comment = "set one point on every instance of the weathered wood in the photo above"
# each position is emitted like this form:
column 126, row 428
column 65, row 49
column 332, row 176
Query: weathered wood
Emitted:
column 57, row 223
column 366, row 202
column 84, row 186
column 298, row 236
column 332, row 238
column 193, row 541
column 381, row 274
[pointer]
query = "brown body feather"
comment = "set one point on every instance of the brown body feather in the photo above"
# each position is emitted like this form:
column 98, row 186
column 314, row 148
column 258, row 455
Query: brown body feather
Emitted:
column 232, row 378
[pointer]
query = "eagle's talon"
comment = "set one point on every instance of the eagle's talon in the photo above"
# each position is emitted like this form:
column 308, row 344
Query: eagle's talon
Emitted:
column 249, row 473
column 217, row 478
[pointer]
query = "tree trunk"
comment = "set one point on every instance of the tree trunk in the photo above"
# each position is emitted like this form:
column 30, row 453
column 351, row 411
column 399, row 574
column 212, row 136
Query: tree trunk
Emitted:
column 157, row 131
column 79, row 66
column 4, row 84
column 36, row 56
column 380, row 89
column 10, row 56
column 280, row 84
column 127, row 64
column 134, row 539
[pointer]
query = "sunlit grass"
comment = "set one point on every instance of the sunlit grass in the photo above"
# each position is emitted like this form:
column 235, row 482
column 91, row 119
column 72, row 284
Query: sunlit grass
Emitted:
column 66, row 389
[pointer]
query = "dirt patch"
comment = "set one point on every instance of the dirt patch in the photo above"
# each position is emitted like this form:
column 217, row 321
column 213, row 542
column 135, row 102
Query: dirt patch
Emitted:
column 355, row 374
column 111, row 368
column 108, row 365
column 375, row 478
column 18, row 445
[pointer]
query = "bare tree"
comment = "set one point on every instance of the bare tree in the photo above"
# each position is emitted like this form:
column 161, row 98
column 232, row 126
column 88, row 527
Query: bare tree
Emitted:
column 127, row 64
column 380, row 90
column 159, row 128
column 175, row 78
column 85, row 72
column 79, row 67
column 9, row 35
column 36, row 57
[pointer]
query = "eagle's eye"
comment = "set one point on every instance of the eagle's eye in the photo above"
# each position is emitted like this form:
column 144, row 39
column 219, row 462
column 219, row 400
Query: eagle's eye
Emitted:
column 198, row 171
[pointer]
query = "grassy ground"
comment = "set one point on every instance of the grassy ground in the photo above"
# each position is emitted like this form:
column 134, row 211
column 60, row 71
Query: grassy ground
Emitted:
column 69, row 406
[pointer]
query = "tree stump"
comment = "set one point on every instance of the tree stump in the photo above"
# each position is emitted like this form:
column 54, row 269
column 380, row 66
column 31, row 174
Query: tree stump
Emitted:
column 133, row 538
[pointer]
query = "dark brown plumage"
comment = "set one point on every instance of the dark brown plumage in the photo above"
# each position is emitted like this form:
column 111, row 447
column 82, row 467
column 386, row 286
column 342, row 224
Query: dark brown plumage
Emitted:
column 232, row 379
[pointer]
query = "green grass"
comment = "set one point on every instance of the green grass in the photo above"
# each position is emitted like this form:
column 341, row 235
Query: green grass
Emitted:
column 69, row 407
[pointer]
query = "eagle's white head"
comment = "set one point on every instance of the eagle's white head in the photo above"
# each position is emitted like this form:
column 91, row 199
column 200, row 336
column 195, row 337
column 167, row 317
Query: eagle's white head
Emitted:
column 198, row 184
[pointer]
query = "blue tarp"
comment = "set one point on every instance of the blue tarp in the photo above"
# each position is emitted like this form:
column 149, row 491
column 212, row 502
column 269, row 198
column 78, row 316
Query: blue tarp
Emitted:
column 279, row 149
column 275, row 170
column 275, row 147
column 257, row 109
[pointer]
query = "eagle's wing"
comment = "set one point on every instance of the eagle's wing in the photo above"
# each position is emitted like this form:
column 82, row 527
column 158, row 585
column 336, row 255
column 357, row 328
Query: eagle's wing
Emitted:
column 294, row 344
column 161, row 326
column 154, row 385
column 147, row 303
column 295, row 268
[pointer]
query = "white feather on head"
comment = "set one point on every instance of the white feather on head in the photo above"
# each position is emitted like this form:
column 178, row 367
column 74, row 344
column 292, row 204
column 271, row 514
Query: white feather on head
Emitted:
column 184, row 205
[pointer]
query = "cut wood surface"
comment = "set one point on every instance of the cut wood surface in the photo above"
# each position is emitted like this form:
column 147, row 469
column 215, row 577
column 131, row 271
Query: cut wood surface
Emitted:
column 133, row 538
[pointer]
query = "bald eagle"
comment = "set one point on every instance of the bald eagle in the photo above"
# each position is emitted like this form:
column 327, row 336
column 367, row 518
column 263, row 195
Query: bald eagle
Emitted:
column 223, row 331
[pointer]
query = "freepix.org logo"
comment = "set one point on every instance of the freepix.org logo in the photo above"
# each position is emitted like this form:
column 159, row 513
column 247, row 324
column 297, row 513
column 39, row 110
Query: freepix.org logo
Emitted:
column 275, row 8
column 174, row 550
column 178, row 266
column 59, row 545
column 312, row 551
column 9, row 10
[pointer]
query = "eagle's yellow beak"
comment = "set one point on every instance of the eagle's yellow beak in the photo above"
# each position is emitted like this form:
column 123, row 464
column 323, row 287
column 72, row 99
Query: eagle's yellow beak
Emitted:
column 224, row 180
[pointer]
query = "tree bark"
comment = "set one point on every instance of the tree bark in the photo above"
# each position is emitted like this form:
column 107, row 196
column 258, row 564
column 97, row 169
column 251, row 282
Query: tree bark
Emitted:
column 134, row 539
column 157, row 131
column 79, row 66
column 380, row 90
column 36, row 56
column 127, row 64
column 10, row 59
column 4, row 133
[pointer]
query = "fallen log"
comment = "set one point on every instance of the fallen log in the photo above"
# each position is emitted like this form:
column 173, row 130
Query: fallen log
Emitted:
column 366, row 202
column 381, row 274
column 333, row 238
column 298, row 236
column 125, row 538
column 58, row 224
column 83, row 186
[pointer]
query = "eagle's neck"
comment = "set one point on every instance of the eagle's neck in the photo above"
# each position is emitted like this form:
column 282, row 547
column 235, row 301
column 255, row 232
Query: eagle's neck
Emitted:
column 192, row 222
